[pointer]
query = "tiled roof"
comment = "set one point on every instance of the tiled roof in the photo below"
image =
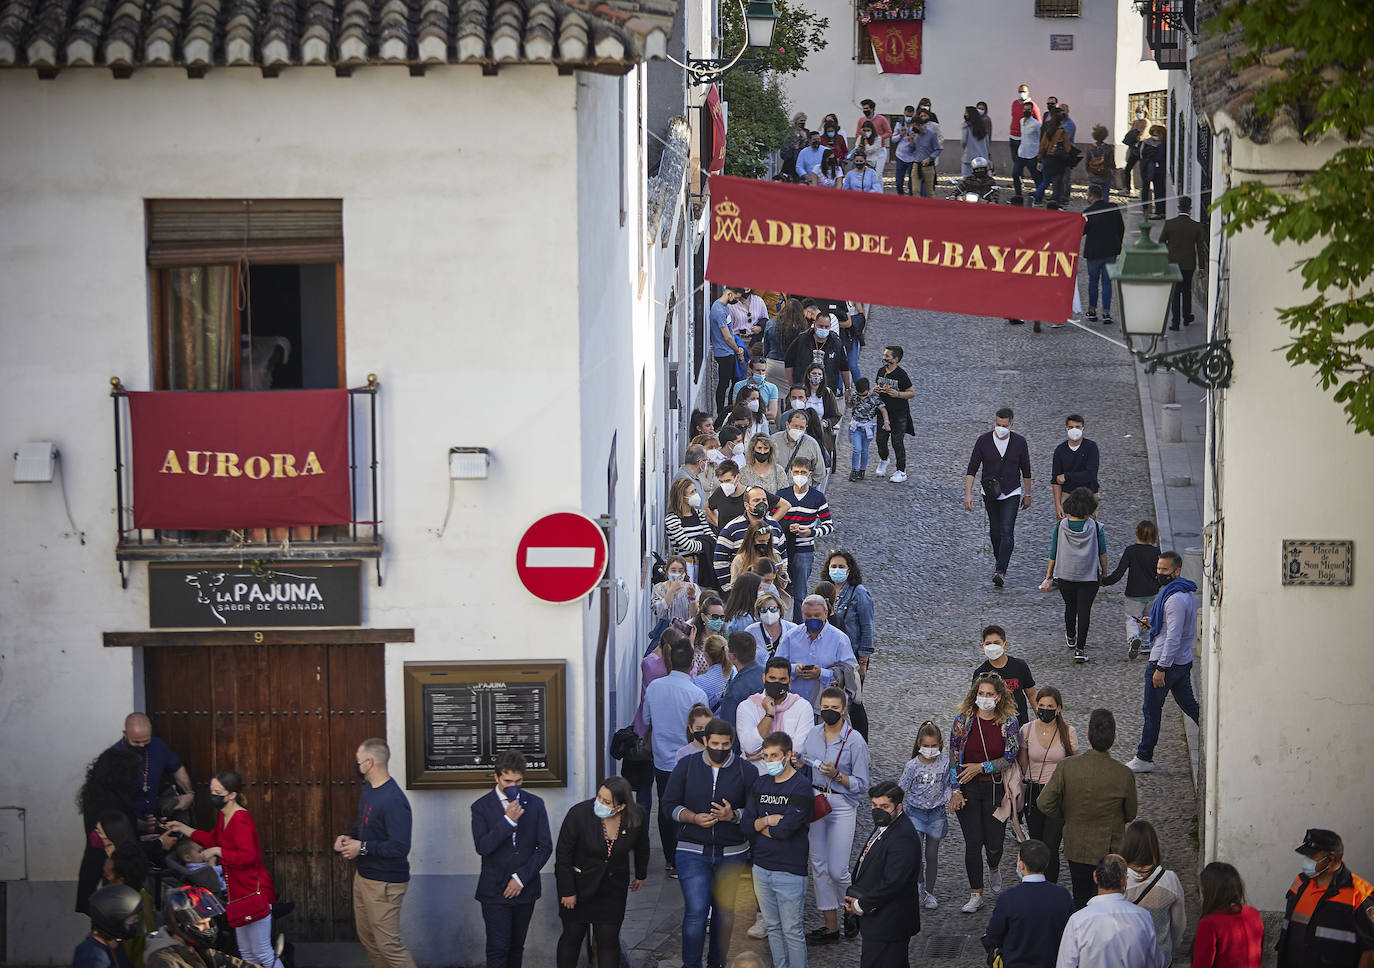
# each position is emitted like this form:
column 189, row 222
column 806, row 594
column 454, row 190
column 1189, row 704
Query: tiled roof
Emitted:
column 197, row 35
column 1225, row 95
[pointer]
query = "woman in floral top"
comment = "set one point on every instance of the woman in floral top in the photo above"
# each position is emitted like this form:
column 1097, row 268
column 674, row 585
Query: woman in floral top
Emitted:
column 983, row 744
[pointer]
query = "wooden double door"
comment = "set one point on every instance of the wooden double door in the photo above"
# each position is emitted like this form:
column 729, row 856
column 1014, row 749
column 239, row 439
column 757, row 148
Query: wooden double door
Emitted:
column 288, row 719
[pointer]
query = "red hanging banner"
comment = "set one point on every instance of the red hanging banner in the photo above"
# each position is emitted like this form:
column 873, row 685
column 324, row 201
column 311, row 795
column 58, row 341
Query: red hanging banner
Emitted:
column 717, row 160
column 894, row 250
column 218, row 461
column 896, row 45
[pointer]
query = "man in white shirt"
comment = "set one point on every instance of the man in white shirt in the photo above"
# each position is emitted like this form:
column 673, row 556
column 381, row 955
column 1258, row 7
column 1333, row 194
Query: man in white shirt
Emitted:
column 1110, row 930
column 775, row 710
column 1027, row 151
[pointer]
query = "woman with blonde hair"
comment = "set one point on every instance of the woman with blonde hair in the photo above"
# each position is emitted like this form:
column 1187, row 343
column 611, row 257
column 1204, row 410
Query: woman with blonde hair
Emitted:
column 763, row 469
column 689, row 536
column 983, row 744
column 771, row 626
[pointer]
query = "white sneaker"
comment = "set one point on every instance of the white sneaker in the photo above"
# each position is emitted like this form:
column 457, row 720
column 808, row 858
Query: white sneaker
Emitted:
column 995, row 882
column 760, row 930
column 898, row 477
column 1137, row 765
column 882, row 469
column 975, row 901
column 931, row 903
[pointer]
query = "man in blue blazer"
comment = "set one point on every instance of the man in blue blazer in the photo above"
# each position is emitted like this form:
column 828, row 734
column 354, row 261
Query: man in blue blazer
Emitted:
column 883, row 892
column 510, row 830
column 1029, row 919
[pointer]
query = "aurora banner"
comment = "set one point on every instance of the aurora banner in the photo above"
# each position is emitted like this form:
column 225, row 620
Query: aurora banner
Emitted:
column 896, row 45
column 894, row 250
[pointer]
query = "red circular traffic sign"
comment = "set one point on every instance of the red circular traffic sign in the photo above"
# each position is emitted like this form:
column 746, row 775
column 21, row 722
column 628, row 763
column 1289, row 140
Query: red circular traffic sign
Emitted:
column 561, row 556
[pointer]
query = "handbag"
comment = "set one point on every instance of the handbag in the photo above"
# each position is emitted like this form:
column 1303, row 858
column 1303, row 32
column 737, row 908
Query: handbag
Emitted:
column 820, row 803
column 628, row 745
column 992, row 483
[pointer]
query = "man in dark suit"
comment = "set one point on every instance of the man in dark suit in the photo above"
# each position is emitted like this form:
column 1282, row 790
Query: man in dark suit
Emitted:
column 884, row 891
column 510, row 830
column 1029, row 919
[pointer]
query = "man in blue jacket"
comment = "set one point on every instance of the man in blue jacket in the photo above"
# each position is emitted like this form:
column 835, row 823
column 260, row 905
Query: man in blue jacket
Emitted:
column 1005, row 459
column 1171, row 628
column 510, row 830
column 885, row 890
column 748, row 677
column 705, row 795
column 1029, row 919
column 777, row 819
column 1075, row 463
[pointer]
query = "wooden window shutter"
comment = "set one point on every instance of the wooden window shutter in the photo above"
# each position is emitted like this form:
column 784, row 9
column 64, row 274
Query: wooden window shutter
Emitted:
column 206, row 231
column 865, row 51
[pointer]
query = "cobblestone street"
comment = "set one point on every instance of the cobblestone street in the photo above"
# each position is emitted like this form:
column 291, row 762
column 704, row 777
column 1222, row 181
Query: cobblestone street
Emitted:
column 928, row 564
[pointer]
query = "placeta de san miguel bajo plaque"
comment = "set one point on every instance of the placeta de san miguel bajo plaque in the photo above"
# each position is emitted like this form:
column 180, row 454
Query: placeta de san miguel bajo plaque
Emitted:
column 460, row 716
column 1318, row 562
column 277, row 594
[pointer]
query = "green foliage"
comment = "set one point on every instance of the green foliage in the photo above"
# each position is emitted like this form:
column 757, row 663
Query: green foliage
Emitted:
column 798, row 32
column 1319, row 55
column 758, row 124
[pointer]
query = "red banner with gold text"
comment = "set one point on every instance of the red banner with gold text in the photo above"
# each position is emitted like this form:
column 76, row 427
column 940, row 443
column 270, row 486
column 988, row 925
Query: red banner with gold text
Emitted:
column 212, row 461
column 894, row 250
column 896, row 45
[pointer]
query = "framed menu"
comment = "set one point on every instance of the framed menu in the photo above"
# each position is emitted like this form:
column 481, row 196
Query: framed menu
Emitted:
column 460, row 716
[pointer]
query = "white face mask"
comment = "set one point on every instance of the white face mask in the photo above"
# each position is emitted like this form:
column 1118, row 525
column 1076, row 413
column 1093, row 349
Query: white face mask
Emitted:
column 677, row 575
column 1134, row 878
column 694, row 499
column 993, row 651
column 800, row 480
column 1002, row 432
column 737, row 449
column 986, row 703
column 727, row 488
column 1075, row 433
column 753, row 405
column 795, row 404
column 930, row 752
column 769, row 616
column 1023, row 95
column 794, row 434
column 714, row 456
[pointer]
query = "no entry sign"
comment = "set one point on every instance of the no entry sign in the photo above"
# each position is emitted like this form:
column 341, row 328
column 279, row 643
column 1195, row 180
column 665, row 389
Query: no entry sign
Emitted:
column 561, row 556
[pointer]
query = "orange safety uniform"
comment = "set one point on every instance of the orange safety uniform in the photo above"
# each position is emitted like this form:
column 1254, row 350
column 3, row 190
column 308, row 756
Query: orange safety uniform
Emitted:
column 1328, row 928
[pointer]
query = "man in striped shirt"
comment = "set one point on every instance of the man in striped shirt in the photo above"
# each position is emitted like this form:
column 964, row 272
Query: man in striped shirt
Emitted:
column 807, row 519
column 732, row 535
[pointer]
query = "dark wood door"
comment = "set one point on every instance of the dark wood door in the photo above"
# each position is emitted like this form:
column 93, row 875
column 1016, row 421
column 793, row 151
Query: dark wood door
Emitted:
column 288, row 719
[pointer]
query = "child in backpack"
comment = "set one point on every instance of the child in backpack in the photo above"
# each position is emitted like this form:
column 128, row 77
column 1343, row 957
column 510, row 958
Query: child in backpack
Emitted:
column 925, row 782
column 1137, row 563
column 863, row 425
column 1101, row 162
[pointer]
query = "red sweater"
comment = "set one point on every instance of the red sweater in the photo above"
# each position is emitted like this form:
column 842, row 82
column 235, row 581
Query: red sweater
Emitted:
column 1229, row 940
column 251, row 892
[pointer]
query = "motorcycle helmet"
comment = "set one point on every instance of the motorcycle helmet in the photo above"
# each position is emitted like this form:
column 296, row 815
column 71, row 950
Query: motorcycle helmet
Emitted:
column 979, row 166
column 190, row 913
column 116, row 911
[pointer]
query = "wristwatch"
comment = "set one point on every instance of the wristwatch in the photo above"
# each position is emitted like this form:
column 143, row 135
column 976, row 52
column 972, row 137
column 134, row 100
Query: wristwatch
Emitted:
column 362, row 851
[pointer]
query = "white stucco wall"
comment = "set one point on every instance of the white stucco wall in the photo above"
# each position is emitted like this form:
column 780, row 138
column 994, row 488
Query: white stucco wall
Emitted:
column 461, row 274
column 1293, row 696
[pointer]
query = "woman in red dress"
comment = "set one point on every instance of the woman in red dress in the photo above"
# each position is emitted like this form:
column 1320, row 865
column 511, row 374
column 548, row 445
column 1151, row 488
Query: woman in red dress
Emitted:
column 234, row 843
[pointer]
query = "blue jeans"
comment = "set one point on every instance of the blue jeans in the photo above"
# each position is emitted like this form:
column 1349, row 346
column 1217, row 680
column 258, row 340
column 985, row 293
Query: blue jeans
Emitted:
column 782, row 898
column 1097, row 280
column 904, row 177
column 709, row 885
column 1178, row 680
column 799, row 569
column 1028, row 165
column 858, row 443
column 1002, row 528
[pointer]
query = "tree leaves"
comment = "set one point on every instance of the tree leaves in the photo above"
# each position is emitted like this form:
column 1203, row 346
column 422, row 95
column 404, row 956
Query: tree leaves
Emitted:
column 797, row 33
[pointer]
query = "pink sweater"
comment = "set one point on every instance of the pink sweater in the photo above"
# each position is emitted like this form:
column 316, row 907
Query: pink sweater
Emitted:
column 1037, row 762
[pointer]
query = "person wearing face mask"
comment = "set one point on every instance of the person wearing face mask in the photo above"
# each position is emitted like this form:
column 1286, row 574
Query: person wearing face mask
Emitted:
column 793, row 442
column 833, row 138
column 768, row 631
column 726, row 503
column 689, row 534
column 697, row 718
column 704, row 798
column 749, row 528
column 1021, row 106
column 863, row 177
column 747, row 316
column 710, row 621
column 853, row 613
column 1045, row 742
column 694, row 467
column 773, row 583
column 763, row 470
column 809, row 158
column 775, row 709
column 821, row 344
column 1138, row 563
column 928, row 146
column 591, row 866
column 1132, row 140
column 1030, row 918
column 667, row 702
column 1075, row 463
column 1328, row 916
column 1004, row 458
column 904, row 138
column 819, row 652
column 1026, row 149
column 871, row 118
column 884, row 892
column 1150, row 886
column 975, row 137
column 750, row 399
column 808, row 518
column 758, row 379
column 379, row 841
column 873, row 145
column 1014, row 671
column 755, row 546
column 927, row 782
column 510, row 830
column 838, row 757
column 234, row 840
column 1077, row 562
column 821, row 401
column 748, row 671
column 726, row 350
column 1171, row 628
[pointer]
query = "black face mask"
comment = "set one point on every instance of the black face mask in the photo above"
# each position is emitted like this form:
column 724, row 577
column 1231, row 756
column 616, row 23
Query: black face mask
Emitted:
column 218, row 801
column 831, row 716
column 868, row 112
column 881, row 818
column 1163, row 579
column 1047, row 715
column 718, row 756
column 699, row 736
column 758, row 510
column 777, row 691
column 763, row 549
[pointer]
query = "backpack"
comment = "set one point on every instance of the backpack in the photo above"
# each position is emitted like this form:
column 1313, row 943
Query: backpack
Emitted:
column 1097, row 164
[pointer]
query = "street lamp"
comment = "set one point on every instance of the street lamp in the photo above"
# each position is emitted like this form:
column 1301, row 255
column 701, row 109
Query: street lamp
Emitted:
column 760, row 21
column 1145, row 279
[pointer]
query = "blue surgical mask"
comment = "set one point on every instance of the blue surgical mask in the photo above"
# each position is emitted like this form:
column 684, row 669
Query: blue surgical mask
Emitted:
column 601, row 810
column 839, row 575
column 814, row 625
column 772, row 767
column 757, row 377
column 1309, row 867
column 715, row 624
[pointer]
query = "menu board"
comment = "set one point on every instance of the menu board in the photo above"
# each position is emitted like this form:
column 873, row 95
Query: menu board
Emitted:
column 460, row 717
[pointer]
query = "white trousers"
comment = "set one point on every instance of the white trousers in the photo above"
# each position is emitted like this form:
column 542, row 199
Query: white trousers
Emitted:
column 255, row 943
column 1135, row 610
column 832, row 841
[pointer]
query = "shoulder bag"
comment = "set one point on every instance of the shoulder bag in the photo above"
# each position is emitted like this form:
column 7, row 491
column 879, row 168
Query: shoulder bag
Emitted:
column 820, row 807
column 992, row 483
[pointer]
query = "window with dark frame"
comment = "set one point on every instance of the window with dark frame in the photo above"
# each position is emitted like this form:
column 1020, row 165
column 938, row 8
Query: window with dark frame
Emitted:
column 1058, row 8
column 864, row 49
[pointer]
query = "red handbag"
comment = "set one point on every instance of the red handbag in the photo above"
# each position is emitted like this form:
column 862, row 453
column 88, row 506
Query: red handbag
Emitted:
column 820, row 803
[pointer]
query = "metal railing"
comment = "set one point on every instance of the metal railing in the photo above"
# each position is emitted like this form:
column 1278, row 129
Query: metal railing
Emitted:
column 361, row 537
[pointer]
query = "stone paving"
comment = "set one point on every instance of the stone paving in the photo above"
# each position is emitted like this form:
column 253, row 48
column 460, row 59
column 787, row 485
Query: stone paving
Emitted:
column 928, row 564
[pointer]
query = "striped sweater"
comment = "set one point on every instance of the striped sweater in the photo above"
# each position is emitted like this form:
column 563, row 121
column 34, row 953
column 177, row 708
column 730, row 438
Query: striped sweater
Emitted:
column 728, row 544
column 810, row 510
column 689, row 536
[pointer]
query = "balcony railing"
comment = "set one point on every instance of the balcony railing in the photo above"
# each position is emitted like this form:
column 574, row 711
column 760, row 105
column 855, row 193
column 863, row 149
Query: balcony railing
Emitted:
column 360, row 537
column 1166, row 25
